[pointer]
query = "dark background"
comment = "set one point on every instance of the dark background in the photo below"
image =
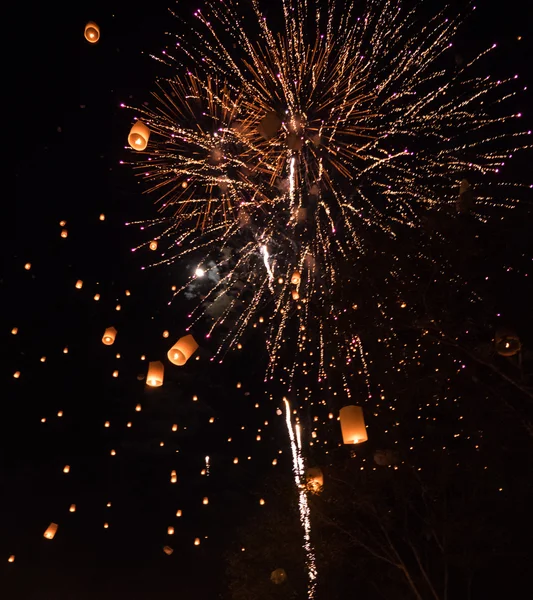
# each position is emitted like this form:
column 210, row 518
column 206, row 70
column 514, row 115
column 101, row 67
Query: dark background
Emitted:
column 69, row 136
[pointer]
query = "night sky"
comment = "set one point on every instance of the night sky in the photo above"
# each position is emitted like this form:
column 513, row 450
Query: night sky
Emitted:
column 70, row 135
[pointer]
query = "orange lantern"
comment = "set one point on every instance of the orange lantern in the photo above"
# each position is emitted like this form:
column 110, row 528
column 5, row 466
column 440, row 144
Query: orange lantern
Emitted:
column 295, row 278
column 64, row 233
column 295, row 295
column 92, row 32
column 155, row 375
column 109, row 336
column 182, row 350
column 72, row 508
column 170, row 530
column 314, row 479
column 196, row 541
column 153, row 245
column 353, row 425
column 139, row 136
column 11, row 558
column 79, row 284
column 50, row 531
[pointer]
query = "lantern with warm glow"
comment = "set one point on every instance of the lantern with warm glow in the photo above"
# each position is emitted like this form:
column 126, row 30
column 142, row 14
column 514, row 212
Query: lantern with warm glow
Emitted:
column 72, row 508
column 278, row 576
column 50, row 531
column 92, row 32
column 507, row 343
column 170, row 530
column 167, row 550
column 314, row 479
column 109, row 336
column 11, row 558
column 196, row 541
column 66, row 469
column 205, row 500
column 156, row 370
column 182, row 350
column 353, row 425
column 295, row 295
column 295, row 278
column 139, row 136
column 79, row 284
column 173, row 477
column 153, row 245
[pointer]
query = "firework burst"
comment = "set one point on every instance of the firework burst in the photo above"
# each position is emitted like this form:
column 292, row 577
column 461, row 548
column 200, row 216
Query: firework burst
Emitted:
column 285, row 143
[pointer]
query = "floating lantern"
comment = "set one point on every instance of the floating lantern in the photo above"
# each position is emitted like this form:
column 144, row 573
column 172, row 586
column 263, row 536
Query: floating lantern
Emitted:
column 173, row 477
column 155, row 375
column 295, row 295
column 11, row 558
column 79, row 284
column 179, row 513
column 507, row 343
column 97, row 297
column 269, row 125
column 165, row 334
column 278, row 576
column 314, row 479
column 295, row 278
column 109, row 336
column 235, row 461
column 167, row 550
column 106, row 525
column 205, row 500
column 182, row 350
column 170, row 530
column 15, row 330
column 353, row 425
column 50, row 531
column 139, row 136
column 64, row 233
column 115, row 374
column 138, row 408
column 16, row 374
column 27, row 266
column 196, row 541
column 92, row 32
column 262, row 502
column 72, row 508
column 153, row 245
column 102, row 217
column 66, row 469
column 60, row 413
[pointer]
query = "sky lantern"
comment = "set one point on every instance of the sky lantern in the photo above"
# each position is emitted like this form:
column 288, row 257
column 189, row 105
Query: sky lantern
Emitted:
column 182, row 350
column 179, row 513
column 167, row 550
column 72, row 508
column 205, row 500
column 66, row 469
column 295, row 278
column 353, row 425
column 15, row 330
column 109, row 336
column 170, row 530
column 11, row 558
column 174, row 427
column 138, row 136
column 102, row 217
column 314, row 479
column 64, row 233
column 79, row 284
column 92, row 32
column 295, row 295
column 507, row 343
column 50, row 531
column 173, row 477
column 196, row 541
column 155, row 375
column 27, row 266
column 153, row 245
column 16, row 374
column 278, row 576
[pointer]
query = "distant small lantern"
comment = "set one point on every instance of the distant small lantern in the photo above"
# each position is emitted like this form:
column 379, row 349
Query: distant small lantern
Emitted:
column 196, row 541
column 295, row 278
column 50, row 531
column 79, row 284
column 16, row 374
column 102, row 217
column 182, row 350
column 167, row 550
column 170, row 530
column 295, row 295
column 205, row 500
column 507, row 343
column 235, row 461
column 96, row 297
column 314, row 480
column 155, row 375
column 165, row 333
column 174, row 427
column 66, row 469
column 115, row 374
column 27, row 266
column 64, row 233
column 72, row 508
column 15, row 330
column 106, row 525
column 11, row 558
column 353, row 425
column 179, row 513
column 109, row 336
column 139, row 136
column 278, row 576
column 92, row 32
column 173, row 477
column 153, row 245
column 262, row 502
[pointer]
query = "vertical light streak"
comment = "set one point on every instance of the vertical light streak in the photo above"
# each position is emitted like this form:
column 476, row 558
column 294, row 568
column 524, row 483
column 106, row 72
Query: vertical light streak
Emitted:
column 298, row 469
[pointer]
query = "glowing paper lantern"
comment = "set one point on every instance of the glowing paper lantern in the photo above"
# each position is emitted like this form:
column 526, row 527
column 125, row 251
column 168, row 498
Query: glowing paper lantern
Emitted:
column 79, row 284
column 11, row 558
column 170, row 530
column 278, row 576
column 269, row 125
column 27, row 266
column 72, row 508
column 50, row 531
column 353, row 425
column 153, row 245
column 196, row 541
column 179, row 513
column 156, row 370
column 66, row 469
column 315, row 480
column 173, row 477
column 109, row 336
column 139, row 136
column 295, row 278
column 92, row 32
column 507, row 343
column 182, row 350
column 167, row 550
column 295, row 295
column 64, row 233
column 15, row 330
